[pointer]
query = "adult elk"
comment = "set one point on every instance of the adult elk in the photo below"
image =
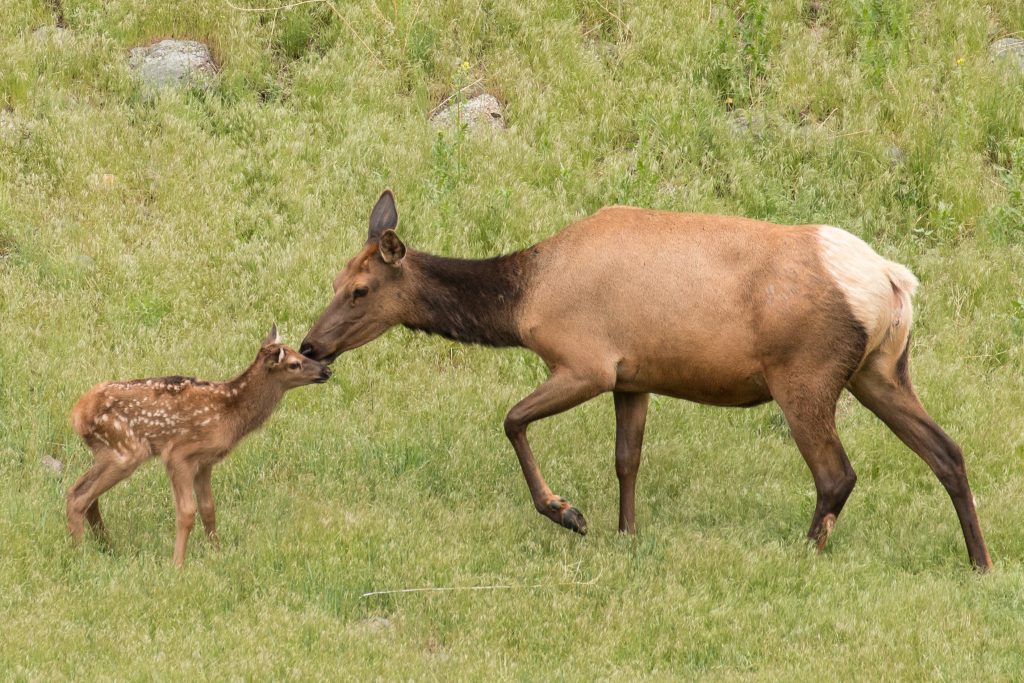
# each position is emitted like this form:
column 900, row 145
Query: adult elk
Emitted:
column 717, row 310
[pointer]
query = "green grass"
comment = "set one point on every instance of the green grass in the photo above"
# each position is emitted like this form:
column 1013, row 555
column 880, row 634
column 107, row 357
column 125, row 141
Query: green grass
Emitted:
column 231, row 208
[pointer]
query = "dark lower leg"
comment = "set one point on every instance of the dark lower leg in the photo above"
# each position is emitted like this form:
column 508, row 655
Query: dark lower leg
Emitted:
column 834, row 480
column 630, row 419
column 810, row 412
column 899, row 408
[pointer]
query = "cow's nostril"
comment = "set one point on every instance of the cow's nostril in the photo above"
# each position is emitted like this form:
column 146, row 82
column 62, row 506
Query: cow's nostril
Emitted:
column 306, row 349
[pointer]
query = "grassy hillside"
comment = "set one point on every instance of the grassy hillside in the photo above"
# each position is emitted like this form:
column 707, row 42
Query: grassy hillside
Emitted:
column 144, row 236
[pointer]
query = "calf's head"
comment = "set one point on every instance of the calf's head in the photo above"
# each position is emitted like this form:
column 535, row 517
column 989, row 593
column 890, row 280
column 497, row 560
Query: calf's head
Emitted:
column 288, row 367
column 369, row 292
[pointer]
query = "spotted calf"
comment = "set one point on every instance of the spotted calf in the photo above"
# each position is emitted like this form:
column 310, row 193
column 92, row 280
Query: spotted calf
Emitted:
column 190, row 424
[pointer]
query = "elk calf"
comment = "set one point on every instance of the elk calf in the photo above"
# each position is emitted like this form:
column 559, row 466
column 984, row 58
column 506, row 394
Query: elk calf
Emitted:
column 191, row 424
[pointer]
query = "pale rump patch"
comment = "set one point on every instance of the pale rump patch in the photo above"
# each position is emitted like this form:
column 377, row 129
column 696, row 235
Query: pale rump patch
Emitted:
column 878, row 291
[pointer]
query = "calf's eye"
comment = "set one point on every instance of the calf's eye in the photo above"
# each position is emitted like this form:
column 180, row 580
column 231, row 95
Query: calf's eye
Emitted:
column 360, row 292
column 294, row 365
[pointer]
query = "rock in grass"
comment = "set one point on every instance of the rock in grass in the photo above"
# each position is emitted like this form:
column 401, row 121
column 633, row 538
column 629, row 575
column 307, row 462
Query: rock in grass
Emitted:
column 45, row 33
column 1010, row 49
column 483, row 111
column 52, row 463
column 896, row 155
column 374, row 624
column 743, row 121
column 172, row 63
column 86, row 262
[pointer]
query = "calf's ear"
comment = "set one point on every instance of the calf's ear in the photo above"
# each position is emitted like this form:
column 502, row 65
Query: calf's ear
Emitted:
column 274, row 359
column 273, row 337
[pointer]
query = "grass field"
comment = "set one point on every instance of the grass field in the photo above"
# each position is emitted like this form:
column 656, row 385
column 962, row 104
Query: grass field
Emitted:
column 148, row 236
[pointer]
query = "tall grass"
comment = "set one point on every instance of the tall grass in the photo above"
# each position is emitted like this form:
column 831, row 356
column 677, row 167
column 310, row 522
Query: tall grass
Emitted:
column 145, row 236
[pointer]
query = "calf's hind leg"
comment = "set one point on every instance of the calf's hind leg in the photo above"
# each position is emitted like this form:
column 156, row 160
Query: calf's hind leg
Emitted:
column 96, row 520
column 109, row 468
column 204, row 497
column 884, row 388
column 78, row 494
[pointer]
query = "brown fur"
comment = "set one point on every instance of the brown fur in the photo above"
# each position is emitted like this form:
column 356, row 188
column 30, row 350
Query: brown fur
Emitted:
column 719, row 310
column 190, row 424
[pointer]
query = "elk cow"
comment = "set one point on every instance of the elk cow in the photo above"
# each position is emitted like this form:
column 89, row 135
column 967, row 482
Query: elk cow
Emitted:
column 191, row 424
column 718, row 310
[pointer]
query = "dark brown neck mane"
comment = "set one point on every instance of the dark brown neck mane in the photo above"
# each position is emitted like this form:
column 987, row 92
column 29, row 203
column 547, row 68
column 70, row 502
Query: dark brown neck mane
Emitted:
column 471, row 301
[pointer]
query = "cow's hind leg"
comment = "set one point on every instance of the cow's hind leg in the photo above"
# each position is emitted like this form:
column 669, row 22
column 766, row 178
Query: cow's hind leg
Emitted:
column 810, row 408
column 883, row 387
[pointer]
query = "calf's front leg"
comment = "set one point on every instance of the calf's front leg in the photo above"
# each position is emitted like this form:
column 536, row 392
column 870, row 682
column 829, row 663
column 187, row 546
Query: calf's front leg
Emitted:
column 182, row 473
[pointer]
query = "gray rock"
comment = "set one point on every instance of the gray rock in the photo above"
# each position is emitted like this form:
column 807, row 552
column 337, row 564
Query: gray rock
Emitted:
column 45, row 33
column 374, row 624
column 52, row 463
column 483, row 111
column 896, row 155
column 171, row 63
column 1009, row 49
column 103, row 180
column 743, row 121
column 12, row 126
column 86, row 262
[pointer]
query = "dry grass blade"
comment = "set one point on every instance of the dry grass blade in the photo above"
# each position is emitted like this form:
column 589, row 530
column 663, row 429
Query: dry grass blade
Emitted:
column 494, row 587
